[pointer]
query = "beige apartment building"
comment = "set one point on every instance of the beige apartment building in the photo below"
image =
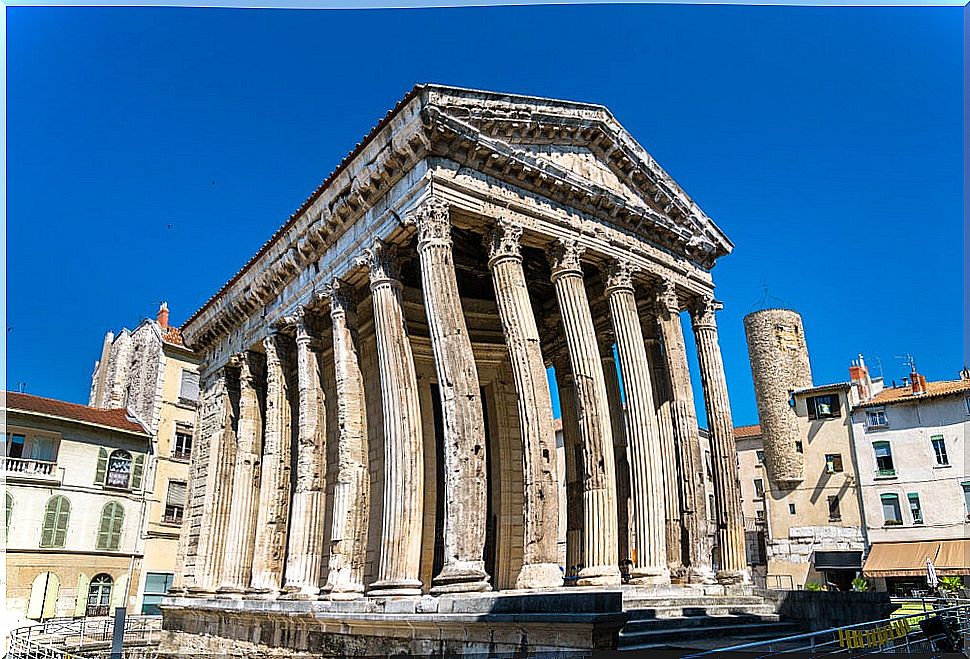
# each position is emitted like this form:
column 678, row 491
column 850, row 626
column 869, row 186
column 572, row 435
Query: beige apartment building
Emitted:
column 151, row 373
column 814, row 524
column 751, row 458
column 75, row 502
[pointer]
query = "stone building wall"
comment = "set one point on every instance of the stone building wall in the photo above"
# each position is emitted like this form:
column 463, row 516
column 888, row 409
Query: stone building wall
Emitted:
column 779, row 365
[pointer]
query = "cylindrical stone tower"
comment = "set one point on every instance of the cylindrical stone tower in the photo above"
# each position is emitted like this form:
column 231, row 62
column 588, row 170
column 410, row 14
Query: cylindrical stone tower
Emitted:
column 779, row 365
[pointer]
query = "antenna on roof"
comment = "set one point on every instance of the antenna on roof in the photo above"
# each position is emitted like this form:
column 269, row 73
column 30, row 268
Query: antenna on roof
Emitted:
column 879, row 364
column 22, row 386
column 908, row 360
column 768, row 301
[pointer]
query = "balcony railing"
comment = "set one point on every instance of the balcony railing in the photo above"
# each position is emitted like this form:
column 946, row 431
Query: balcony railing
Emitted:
column 28, row 467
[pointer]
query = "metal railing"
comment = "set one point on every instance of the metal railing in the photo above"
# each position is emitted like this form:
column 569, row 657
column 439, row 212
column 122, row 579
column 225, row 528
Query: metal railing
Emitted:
column 69, row 638
column 29, row 467
column 942, row 626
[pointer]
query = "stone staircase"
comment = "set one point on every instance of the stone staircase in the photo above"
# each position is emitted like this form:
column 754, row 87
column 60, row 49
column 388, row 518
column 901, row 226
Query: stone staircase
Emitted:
column 697, row 618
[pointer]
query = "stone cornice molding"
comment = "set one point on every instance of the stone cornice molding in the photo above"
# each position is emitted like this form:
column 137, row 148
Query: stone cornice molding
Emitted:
column 433, row 121
column 565, row 257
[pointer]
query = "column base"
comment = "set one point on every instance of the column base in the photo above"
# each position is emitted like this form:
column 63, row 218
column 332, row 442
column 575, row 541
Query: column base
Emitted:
column 230, row 591
column 701, row 575
column 734, row 577
column 539, row 575
column 599, row 575
column 461, row 577
column 299, row 593
column 344, row 592
column 650, row 576
column 262, row 593
column 395, row 588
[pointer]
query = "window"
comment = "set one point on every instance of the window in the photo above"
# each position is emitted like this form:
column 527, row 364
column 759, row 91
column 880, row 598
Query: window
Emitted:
column 890, row 510
column 183, row 444
column 9, row 514
column 109, row 532
column 939, row 448
column 968, row 404
column 43, row 448
column 876, row 418
column 884, row 459
column 15, row 445
column 914, row 507
column 56, row 516
column 189, row 387
column 99, row 595
column 174, row 502
column 711, row 508
column 823, row 407
column 761, row 457
column 799, row 447
column 759, row 515
column 119, row 469
column 157, row 585
column 759, row 488
column 835, row 513
column 966, row 497
column 791, row 509
column 833, row 463
column 709, row 464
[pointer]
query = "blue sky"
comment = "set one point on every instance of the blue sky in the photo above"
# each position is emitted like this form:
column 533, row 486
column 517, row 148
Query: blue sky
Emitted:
column 151, row 151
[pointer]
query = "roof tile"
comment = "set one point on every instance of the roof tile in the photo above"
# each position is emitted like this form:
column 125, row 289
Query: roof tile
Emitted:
column 114, row 418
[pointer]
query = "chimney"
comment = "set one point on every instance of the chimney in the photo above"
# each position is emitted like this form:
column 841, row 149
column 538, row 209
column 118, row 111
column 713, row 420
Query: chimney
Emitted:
column 965, row 374
column 162, row 316
column 859, row 376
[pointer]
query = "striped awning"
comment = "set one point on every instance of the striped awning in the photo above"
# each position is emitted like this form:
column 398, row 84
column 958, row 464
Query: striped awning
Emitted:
column 908, row 559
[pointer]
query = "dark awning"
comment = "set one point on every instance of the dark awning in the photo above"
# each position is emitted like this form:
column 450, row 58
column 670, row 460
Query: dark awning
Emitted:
column 838, row 560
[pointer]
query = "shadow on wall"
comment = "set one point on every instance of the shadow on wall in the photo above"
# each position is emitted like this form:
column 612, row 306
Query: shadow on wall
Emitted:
column 824, row 609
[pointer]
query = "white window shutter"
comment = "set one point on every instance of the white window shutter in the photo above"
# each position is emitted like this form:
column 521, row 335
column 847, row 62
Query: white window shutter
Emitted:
column 190, row 386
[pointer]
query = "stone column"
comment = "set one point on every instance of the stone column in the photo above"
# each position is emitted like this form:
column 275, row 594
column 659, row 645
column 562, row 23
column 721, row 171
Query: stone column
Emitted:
column 599, row 491
column 618, row 426
column 461, row 405
column 273, row 514
column 400, row 563
column 669, row 457
column 696, row 547
column 213, row 463
column 727, row 486
column 573, row 458
column 240, row 536
column 647, row 493
column 540, row 567
column 304, row 555
column 351, row 494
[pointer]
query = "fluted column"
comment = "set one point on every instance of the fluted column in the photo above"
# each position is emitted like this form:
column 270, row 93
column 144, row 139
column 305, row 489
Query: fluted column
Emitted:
column 727, row 486
column 213, row 464
column 269, row 554
column 351, row 494
column 240, row 536
column 573, row 459
column 696, row 546
column 618, row 426
column 463, row 424
column 400, row 562
column 599, row 478
column 305, row 552
column 670, row 460
column 540, row 567
column 647, row 493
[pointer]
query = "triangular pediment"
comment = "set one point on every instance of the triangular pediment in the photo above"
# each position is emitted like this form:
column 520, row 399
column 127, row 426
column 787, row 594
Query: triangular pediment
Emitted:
column 582, row 162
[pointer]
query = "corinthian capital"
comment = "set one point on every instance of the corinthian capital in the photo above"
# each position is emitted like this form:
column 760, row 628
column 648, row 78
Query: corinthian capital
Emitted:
column 666, row 296
column 433, row 220
column 564, row 257
column 619, row 275
column 703, row 310
column 502, row 240
column 340, row 295
column 381, row 262
column 272, row 348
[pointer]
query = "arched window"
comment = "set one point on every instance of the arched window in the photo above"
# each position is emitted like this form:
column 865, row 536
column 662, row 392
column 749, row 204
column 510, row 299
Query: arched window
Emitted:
column 56, row 516
column 109, row 533
column 99, row 595
column 120, row 469
column 9, row 515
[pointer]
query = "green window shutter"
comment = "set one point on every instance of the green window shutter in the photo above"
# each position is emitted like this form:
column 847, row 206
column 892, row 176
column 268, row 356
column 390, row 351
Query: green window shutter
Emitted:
column 102, row 467
column 9, row 514
column 56, row 517
column 60, row 525
column 109, row 532
column 47, row 532
column 137, row 470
